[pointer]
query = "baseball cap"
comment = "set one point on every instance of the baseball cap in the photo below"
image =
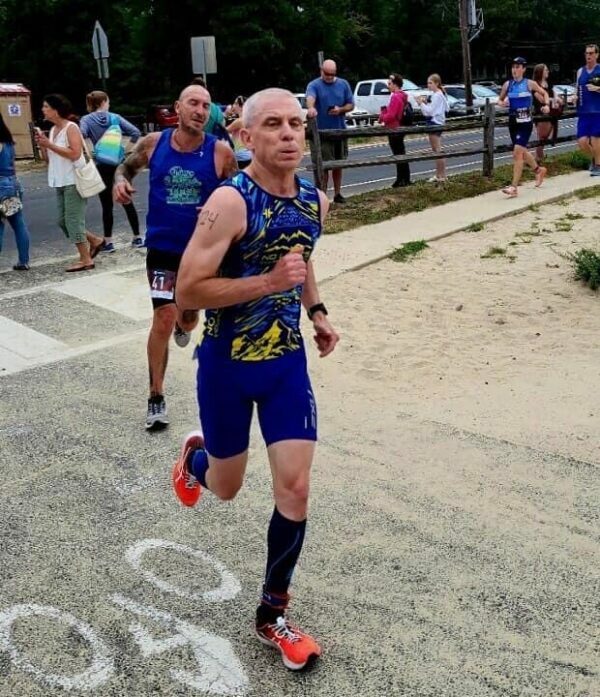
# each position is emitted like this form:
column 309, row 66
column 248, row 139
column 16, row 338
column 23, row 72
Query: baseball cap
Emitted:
column 519, row 60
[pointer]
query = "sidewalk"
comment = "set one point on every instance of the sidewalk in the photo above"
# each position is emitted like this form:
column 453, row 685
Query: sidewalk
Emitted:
column 365, row 245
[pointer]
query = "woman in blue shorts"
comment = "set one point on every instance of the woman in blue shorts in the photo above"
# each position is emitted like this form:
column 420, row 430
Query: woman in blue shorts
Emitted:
column 518, row 95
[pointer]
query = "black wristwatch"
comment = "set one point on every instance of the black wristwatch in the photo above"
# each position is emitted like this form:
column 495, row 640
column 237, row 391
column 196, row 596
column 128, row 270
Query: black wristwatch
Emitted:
column 319, row 307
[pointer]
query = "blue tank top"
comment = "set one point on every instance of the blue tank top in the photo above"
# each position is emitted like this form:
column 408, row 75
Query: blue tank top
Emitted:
column 7, row 160
column 520, row 101
column 587, row 102
column 268, row 327
column 180, row 182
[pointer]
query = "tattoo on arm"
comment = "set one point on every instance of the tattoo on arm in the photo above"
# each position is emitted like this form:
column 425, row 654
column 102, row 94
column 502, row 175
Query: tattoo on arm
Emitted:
column 230, row 168
column 134, row 162
column 208, row 218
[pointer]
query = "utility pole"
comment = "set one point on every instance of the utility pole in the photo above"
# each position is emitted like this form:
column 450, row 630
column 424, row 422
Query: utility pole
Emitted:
column 463, row 15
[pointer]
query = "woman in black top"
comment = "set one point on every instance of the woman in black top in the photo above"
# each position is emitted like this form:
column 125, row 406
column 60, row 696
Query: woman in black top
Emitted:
column 544, row 128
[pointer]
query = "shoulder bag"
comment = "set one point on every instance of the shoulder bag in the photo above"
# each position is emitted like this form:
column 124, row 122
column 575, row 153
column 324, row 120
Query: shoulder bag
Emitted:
column 87, row 178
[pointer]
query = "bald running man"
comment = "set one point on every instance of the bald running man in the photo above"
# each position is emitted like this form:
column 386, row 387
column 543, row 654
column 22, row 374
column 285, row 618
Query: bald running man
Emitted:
column 329, row 99
column 249, row 266
column 186, row 165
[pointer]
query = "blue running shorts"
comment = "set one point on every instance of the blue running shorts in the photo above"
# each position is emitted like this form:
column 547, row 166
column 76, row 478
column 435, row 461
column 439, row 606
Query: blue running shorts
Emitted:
column 520, row 133
column 588, row 126
column 228, row 390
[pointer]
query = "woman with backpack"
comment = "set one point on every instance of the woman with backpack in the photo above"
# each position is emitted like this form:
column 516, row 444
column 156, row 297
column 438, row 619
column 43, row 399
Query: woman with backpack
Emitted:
column 105, row 130
column 393, row 116
column 11, row 198
column 434, row 110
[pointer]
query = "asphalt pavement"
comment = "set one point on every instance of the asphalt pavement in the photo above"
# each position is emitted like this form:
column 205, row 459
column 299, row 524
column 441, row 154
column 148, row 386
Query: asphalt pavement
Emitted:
column 47, row 241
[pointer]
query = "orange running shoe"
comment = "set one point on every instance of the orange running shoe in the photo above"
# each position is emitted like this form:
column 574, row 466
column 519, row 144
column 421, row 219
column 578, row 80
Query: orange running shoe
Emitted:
column 539, row 175
column 296, row 647
column 186, row 486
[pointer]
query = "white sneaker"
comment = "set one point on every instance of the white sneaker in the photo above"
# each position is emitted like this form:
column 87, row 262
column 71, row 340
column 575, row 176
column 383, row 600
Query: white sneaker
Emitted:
column 182, row 338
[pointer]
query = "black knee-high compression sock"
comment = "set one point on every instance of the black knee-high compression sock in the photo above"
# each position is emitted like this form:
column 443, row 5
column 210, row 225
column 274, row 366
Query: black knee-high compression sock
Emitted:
column 284, row 541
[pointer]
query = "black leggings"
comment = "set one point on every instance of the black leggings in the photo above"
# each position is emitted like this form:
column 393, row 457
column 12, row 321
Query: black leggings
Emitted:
column 107, row 172
column 402, row 168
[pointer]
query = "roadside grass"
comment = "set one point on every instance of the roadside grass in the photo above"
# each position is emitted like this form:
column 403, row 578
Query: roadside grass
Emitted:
column 586, row 263
column 493, row 252
column 376, row 206
column 475, row 227
column 592, row 192
column 408, row 250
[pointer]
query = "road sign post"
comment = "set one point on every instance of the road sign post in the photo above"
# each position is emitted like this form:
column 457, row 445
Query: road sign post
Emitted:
column 204, row 55
column 101, row 52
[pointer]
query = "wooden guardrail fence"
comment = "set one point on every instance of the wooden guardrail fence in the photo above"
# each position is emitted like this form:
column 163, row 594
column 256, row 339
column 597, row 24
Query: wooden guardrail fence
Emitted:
column 488, row 121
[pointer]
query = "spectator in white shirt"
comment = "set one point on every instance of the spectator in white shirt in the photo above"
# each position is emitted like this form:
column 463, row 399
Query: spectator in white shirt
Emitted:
column 434, row 109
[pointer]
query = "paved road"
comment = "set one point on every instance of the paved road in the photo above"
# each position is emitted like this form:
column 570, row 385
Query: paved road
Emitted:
column 48, row 242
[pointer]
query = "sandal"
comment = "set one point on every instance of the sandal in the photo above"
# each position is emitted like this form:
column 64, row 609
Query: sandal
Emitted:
column 96, row 248
column 80, row 267
column 510, row 191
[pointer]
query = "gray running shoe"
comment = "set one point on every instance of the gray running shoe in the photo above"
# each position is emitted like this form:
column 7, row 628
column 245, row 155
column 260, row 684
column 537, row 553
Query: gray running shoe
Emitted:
column 182, row 338
column 156, row 418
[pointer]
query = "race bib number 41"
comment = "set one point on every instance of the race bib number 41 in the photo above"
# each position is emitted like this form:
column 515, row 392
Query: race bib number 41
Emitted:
column 162, row 284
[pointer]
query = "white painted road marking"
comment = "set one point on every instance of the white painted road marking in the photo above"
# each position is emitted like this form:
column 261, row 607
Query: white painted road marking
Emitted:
column 115, row 292
column 22, row 348
column 25, row 342
column 219, row 670
column 99, row 672
column 228, row 589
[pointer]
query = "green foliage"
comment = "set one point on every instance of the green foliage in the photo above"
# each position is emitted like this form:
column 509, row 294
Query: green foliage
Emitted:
column 579, row 160
column 375, row 206
column 592, row 192
column 493, row 252
column 408, row 250
column 46, row 44
column 475, row 227
column 586, row 263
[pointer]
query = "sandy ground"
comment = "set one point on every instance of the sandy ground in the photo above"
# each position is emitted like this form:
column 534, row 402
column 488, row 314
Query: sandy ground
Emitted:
column 506, row 346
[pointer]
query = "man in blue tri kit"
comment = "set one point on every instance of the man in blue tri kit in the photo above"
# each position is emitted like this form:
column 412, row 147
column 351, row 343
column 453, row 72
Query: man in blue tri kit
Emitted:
column 518, row 92
column 248, row 264
column 588, row 108
column 186, row 165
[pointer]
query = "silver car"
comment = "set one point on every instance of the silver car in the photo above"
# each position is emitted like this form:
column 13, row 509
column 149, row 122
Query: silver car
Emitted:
column 481, row 95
